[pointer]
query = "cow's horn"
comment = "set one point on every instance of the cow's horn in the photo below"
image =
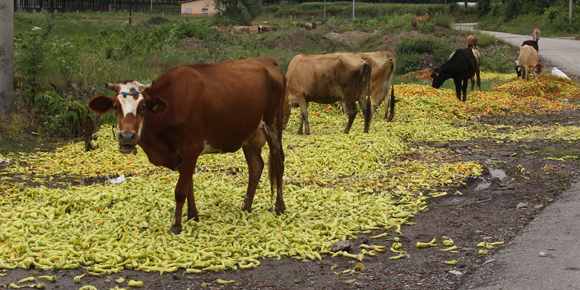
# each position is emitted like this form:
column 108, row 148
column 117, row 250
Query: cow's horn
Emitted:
column 144, row 87
column 114, row 87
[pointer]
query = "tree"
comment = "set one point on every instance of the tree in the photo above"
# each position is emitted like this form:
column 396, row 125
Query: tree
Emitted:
column 237, row 12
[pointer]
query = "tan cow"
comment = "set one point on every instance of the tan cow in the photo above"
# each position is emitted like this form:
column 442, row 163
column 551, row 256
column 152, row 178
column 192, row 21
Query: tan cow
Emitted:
column 472, row 41
column 536, row 34
column 327, row 79
column 240, row 29
column 529, row 62
column 383, row 65
column 309, row 26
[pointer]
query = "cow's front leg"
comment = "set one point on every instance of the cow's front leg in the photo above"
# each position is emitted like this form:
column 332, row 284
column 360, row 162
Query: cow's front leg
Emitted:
column 303, row 115
column 457, row 82
column 182, row 189
column 464, row 88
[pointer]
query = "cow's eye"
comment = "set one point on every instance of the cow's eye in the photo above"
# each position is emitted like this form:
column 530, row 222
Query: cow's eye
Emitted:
column 115, row 107
column 143, row 108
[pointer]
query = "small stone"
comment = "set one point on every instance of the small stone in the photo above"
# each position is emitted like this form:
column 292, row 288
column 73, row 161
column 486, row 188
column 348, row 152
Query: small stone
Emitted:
column 521, row 205
column 543, row 254
column 306, row 261
column 539, row 206
column 341, row 246
column 478, row 232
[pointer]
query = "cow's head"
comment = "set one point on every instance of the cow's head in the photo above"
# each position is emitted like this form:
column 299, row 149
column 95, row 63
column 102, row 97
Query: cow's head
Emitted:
column 438, row 79
column 130, row 104
column 538, row 70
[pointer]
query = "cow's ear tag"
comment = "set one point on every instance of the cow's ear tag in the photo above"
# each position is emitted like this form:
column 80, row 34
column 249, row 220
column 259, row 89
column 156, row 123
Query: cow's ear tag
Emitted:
column 437, row 74
column 155, row 107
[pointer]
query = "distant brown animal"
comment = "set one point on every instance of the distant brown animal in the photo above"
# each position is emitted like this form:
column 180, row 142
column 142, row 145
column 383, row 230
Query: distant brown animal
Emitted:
column 267, row 28
column 422, row 19
column 245, row 29
column 536, row 34
column 472, row 41
column 327, row 79
column 309, row 26
column 224, row 29
column 529, row 62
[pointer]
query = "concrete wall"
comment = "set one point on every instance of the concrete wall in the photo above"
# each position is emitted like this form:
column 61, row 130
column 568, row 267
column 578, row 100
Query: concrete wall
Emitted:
column 197, row 6
column 6, row 57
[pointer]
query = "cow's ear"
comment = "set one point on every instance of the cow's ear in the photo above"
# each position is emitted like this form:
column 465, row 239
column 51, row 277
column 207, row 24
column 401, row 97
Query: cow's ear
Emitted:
column 101, row 105
column 156, row 105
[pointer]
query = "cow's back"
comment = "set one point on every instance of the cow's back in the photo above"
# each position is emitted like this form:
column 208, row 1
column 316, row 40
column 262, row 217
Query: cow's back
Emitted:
column 221, row 104
column 528, row 56
column 323, row 78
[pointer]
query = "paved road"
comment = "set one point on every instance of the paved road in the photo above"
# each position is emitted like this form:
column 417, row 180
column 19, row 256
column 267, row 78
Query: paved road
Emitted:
column 544, row 256
column 561, row 52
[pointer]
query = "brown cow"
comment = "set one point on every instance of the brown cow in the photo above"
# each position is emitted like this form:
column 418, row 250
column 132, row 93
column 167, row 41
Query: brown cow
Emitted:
column 529, row 62
column 309, row 26
column 383, row 65
column 328, row 79
column 472, row 41
column 201, row 109
column 267, row 28
column 224, row 29
column 536, row 34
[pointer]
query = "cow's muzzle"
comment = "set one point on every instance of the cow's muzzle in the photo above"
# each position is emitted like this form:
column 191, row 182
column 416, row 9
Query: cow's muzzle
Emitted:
column 127, row 142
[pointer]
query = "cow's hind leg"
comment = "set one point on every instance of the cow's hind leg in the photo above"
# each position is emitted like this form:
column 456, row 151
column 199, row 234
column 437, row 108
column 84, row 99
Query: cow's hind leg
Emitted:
column 182, row 190
column 352, row 110
column 365, row 106
column 276, row 165
column 253, row 153
column 303, row 115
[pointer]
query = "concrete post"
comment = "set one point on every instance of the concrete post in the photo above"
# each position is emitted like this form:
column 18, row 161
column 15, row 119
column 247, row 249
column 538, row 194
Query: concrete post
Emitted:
column 6, row 57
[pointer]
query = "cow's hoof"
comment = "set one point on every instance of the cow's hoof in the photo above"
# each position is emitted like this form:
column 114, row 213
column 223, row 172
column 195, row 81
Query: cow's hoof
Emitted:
column 175, row 228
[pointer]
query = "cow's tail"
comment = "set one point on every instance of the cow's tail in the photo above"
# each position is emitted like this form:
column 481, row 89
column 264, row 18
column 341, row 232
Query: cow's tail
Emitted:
column 390, row 108
column 367, row 78
column 392, row 104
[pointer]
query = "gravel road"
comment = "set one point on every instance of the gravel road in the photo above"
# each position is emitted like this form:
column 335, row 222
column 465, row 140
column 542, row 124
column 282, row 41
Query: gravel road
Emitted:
column 561, row 52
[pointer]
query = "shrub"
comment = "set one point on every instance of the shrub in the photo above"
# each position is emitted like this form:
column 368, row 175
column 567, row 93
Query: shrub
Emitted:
column 495, row 60
column 408, row 62
column 439, row 48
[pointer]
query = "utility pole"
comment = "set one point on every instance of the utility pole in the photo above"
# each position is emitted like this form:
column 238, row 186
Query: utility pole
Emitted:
column 570, row 15
column 6, row 57
column 325, row 9
column 352, row 9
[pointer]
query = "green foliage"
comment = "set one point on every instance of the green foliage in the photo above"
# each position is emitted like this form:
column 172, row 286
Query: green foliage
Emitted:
column 408, row 62
column 521, row 17
column 62, row 117
column 495, row 59
column 237, row 12
column 410, row 50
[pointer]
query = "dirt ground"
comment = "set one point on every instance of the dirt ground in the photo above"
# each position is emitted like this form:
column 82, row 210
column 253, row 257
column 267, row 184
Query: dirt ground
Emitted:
column 486, row 211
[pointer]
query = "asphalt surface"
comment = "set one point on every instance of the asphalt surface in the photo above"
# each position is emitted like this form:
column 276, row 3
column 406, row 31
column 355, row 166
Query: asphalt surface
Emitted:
column 545, row 255
column 560, row 52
